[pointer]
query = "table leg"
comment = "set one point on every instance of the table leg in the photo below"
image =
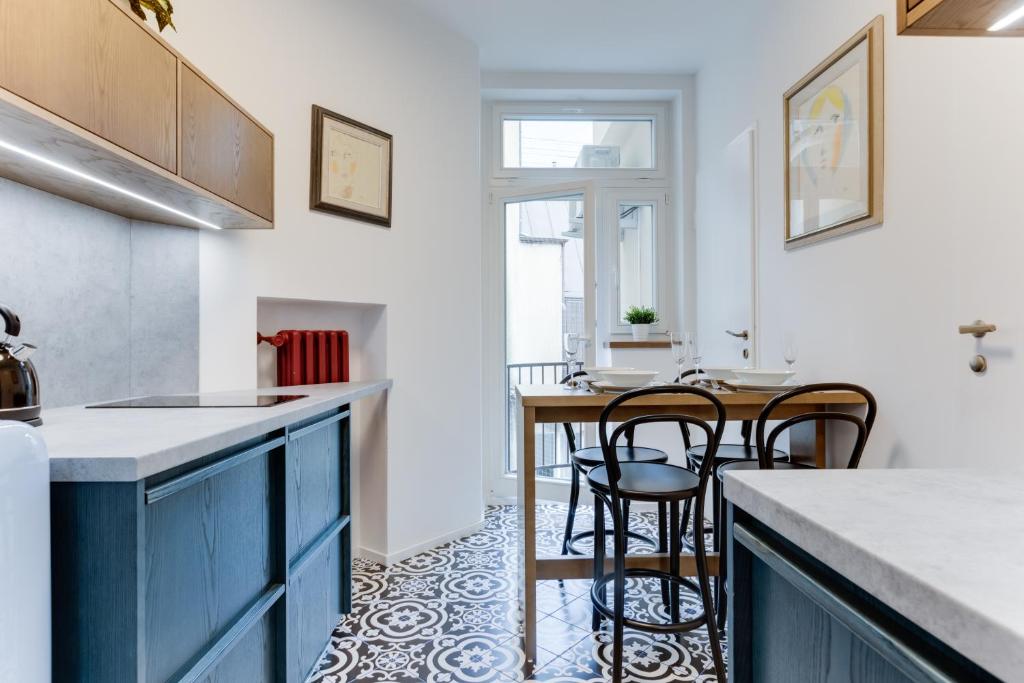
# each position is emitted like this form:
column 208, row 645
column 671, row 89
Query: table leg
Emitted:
column 820, row 444
column 809, row 443
column 527, row 516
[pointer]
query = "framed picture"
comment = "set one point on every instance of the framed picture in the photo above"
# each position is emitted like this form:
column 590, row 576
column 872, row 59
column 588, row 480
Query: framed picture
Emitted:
column 834, row 142
column 350, row 172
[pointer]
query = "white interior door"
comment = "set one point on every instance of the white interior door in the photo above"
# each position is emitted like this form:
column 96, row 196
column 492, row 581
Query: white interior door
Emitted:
column 540, row 285
column 984, row 221
column 726, row 257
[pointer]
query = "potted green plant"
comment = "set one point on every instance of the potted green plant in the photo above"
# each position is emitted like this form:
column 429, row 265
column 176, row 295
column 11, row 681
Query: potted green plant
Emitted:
column 640, row 319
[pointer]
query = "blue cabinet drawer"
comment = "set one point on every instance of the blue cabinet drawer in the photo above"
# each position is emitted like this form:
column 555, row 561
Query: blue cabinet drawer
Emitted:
column 315, row 605
column 314, row 478
column 208, row 555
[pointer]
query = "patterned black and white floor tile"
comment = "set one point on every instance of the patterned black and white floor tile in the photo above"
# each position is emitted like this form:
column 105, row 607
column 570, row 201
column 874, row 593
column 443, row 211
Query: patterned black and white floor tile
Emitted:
column 450, row 615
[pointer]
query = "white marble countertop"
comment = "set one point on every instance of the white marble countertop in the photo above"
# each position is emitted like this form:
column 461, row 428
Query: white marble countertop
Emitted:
column 129, row 444
column 941, row 547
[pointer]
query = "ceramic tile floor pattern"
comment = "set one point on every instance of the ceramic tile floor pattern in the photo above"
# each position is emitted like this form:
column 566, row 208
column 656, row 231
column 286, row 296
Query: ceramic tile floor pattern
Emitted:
column 451, row 615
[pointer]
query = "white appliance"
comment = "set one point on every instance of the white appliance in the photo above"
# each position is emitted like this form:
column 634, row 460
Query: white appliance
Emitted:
column 24, row 555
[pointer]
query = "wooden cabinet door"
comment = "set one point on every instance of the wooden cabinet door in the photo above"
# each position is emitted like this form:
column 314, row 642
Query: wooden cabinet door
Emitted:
column 223, row 150
column 94, row 66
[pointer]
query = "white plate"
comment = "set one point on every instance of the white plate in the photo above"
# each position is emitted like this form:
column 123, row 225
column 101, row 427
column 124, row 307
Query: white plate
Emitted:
column 764, row 377
column 719, row 373
column 603, row 387
column 758, row 388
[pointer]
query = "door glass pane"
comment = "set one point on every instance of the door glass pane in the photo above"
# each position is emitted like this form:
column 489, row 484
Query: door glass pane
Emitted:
column 636, row 256
column 578, row 143
column 543, row 301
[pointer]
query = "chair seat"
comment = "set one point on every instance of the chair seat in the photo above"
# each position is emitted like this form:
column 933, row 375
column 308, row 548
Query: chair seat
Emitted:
column 753, row 465
column 588, row 458
column 648, row 481
column 729, row 452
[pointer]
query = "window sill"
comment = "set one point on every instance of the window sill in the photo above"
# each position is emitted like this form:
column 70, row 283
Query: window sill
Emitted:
column 631, row 344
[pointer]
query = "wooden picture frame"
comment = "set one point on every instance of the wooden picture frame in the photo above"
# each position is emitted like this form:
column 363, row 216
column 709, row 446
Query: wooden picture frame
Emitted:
column 834, row 136
column 350, row 168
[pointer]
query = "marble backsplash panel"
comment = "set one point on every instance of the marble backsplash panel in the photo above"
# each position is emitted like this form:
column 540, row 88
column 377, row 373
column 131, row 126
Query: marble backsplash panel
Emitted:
column 112, row 304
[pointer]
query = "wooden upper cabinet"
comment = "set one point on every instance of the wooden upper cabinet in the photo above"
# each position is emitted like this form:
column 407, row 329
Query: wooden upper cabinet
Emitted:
column 94, row 66
column 955, row 17
column 222, row 149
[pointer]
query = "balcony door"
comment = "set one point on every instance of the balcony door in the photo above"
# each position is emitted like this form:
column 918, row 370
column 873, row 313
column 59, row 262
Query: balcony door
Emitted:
column 547, row 257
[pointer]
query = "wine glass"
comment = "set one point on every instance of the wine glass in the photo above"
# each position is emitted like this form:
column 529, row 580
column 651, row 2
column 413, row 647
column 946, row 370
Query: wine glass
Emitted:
column 696, row 353
column 680, row 352
column 789, row 355
column 571, row 348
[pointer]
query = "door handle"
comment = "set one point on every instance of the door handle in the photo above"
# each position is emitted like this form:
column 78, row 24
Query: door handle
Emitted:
column 742, row 335
column 979, row 328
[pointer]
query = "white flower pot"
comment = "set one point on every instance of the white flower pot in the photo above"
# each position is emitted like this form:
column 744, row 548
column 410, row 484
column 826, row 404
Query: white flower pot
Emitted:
column 640, row 332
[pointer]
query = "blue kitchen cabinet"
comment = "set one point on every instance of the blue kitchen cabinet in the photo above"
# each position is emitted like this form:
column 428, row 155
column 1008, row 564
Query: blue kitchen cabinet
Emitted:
column 233, row 567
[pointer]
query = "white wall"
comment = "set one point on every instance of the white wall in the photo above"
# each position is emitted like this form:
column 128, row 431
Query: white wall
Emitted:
column 874, row 307
column 391, row 67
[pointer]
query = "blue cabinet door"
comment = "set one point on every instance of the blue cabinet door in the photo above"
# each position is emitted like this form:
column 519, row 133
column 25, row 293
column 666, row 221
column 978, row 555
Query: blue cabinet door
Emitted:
column 794, row 619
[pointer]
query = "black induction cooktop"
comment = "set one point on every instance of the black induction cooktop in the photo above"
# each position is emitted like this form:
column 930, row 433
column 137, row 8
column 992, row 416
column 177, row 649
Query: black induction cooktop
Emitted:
column 201, row 401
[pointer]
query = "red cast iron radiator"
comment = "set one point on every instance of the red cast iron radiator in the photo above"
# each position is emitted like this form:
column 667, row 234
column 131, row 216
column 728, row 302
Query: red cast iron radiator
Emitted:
column 309, row 356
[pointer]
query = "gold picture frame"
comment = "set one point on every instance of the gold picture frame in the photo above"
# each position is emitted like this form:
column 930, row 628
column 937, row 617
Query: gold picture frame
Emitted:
column 350, row 169
column 834, row 142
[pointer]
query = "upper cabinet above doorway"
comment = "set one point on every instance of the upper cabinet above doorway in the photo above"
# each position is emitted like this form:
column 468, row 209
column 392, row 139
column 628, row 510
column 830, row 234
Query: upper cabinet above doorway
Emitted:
column 960, row 17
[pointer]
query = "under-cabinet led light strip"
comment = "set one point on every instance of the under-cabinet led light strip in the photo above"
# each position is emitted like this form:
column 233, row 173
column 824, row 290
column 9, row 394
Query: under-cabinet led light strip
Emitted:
column 102, row 183
column 1010, row 18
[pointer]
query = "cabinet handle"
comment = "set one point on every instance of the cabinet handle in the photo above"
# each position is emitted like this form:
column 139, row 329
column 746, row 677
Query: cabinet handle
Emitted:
column 309, row 429
column 189, row 479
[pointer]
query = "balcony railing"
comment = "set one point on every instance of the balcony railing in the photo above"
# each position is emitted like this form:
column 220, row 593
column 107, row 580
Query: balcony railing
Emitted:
column 552, row 448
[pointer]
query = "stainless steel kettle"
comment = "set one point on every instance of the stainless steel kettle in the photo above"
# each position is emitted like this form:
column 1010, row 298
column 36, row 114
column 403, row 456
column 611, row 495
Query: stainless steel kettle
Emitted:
column 19, row 384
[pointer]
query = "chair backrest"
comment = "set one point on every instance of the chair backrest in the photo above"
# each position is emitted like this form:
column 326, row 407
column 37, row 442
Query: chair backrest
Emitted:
column 656, row 414
column 570, row 433
column 766, row 447
column 697, row 377
column 692, row 372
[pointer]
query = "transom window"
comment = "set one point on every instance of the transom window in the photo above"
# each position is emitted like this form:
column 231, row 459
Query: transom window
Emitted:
column 577, row 142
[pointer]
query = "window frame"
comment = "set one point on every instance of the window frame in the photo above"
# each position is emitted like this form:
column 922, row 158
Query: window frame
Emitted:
column 657, row 113
column 611, row 199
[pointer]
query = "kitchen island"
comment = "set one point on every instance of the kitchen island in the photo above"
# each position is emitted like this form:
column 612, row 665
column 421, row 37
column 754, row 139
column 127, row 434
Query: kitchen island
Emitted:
column 876, row 575
column 201, row 543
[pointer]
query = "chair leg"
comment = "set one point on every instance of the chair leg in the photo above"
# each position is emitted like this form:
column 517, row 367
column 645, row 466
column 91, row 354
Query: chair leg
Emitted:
column 709, row 608
column 574, row 501
column 716, row 523
column 687, row 505
column 625, row 521
column 663, row 544
column 687, row 508
column 673, row 560
column 595, row 621
column 723, row 547
column 618, row 633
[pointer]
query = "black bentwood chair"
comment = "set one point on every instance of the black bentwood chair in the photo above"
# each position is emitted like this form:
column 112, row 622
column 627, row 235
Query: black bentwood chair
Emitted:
column 766, row 446
column 726, row 453
column 615, row 482
column 585, row 459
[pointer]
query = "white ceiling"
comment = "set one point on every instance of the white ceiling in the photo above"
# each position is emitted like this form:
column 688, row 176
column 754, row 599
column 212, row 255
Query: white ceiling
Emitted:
column 602, row 36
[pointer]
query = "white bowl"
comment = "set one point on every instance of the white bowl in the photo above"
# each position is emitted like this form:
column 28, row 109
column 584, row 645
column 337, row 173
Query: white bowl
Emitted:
column 628, row 378
column 719, row 373
column 764, row 377
column 595, row 371
column 594, row 374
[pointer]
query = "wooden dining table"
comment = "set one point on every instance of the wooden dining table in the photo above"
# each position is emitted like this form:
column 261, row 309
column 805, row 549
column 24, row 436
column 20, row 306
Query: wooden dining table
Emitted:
column 552, row 403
